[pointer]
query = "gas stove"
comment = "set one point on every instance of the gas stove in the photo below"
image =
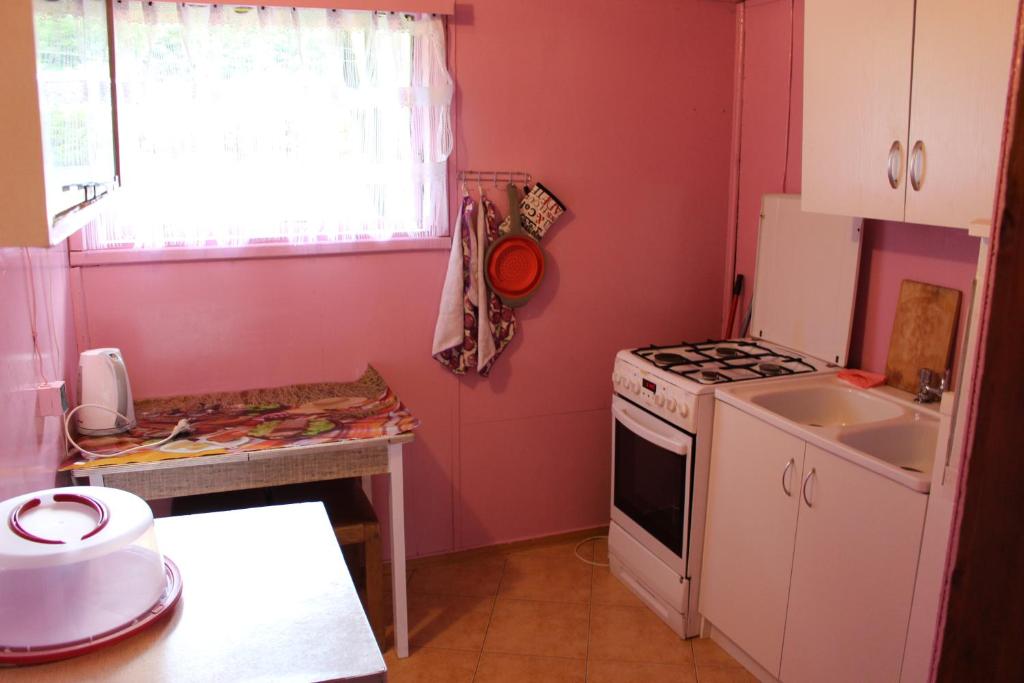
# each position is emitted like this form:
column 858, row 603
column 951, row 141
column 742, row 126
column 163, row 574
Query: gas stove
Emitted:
column 728, row 360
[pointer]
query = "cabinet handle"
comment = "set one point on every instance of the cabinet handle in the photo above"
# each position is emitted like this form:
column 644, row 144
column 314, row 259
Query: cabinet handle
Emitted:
column 916, row 165
column 803, row 488
column 895, row 157
column 789, row 466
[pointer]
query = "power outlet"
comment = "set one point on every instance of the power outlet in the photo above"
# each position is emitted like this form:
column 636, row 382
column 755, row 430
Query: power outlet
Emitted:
column 51, row 399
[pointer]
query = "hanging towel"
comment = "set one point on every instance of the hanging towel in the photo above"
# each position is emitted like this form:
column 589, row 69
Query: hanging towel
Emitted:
column 486, row 350
column 456, row 329
column 500, row 319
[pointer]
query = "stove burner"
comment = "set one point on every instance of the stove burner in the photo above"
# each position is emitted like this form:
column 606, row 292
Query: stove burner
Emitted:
column 771, row 369
column 726, row 351
column 669, row 358
column 712, row 375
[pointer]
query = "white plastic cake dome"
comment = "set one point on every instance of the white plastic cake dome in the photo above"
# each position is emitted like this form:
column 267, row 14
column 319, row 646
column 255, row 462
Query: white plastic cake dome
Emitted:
column 79, row 568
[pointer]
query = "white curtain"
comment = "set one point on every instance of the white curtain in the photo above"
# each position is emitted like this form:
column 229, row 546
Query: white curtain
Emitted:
column 240, row 125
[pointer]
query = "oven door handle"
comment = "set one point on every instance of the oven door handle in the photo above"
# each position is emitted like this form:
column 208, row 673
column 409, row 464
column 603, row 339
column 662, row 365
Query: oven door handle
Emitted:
column 653, row 433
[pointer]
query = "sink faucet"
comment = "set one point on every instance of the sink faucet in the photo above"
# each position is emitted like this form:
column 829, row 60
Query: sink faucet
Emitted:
column 928, row 390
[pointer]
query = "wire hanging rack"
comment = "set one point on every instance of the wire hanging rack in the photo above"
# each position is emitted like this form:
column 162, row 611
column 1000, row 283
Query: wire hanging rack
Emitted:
column 495, row 177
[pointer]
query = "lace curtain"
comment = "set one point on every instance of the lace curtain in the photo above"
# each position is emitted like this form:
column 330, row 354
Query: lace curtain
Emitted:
column 240, row 125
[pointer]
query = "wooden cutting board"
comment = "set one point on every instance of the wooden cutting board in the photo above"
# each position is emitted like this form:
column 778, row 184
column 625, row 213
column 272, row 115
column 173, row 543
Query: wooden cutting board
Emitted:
column 922, row 333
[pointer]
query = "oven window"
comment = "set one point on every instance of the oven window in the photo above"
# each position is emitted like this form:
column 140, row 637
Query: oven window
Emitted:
column 650, row 487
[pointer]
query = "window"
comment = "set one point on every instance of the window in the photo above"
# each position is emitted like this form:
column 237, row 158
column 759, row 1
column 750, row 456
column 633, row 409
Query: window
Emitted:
column 244, row 125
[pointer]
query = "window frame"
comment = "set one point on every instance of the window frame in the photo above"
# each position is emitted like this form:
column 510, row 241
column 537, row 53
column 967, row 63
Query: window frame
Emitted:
column 79, row 256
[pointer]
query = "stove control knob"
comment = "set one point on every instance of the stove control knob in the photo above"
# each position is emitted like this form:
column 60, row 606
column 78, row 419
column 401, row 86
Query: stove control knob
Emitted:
column 684, row 409
column 672, row 405
column 659, row 401
column 635, row 386
column 617, row 378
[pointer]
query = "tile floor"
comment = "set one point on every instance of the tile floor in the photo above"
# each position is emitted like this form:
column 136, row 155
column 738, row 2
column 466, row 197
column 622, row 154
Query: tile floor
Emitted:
column 542, row 615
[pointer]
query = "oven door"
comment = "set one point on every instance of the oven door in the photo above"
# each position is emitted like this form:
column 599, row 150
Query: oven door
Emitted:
column 651, row 475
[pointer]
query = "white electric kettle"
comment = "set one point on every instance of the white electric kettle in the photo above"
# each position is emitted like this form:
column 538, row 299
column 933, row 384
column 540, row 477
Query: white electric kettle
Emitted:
column 104, row 394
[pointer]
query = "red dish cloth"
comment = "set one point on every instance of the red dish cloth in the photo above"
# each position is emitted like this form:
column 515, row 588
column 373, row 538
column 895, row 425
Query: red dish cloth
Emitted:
column 862, row 378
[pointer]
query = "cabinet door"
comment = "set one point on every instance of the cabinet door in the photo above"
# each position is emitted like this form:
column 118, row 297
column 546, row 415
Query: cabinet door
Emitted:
column 751, row 527
column 857, row 65
column 857, row 546
column 962, row 56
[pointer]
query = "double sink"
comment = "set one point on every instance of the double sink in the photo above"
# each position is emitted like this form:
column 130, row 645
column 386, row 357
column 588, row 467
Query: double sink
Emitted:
column 881, row 429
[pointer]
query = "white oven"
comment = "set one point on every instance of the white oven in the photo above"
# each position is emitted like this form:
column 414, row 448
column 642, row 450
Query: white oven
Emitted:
column 652, row 475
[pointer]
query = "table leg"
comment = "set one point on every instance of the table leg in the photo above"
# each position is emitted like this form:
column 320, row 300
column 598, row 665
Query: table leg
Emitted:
column 367, row 480
column 398, row 550
column 95, row 480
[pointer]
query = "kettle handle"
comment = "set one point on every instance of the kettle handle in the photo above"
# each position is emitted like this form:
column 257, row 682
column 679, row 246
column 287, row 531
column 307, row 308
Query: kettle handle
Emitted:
column 121, row 375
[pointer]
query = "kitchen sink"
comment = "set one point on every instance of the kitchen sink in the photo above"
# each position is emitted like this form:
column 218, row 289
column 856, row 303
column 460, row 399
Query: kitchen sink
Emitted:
column 907, row 445
column 826, row 406
column 881, row 429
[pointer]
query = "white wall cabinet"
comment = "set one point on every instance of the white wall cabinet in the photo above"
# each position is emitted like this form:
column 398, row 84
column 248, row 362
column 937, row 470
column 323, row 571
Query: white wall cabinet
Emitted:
column 56, row 125
column 904, row 105
column 809, row 560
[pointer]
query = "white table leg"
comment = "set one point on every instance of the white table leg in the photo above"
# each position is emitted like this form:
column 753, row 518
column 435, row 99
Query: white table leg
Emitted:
column 398, row 550
column 95, row 480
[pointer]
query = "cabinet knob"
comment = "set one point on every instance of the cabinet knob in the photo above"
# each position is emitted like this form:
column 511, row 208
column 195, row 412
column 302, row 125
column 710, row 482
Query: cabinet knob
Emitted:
column 803, row 488
column 789, row 465
column 895, row 161
column 916, row 165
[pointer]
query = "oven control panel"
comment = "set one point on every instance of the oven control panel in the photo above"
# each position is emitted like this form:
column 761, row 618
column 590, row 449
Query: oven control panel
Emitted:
column 665, row 400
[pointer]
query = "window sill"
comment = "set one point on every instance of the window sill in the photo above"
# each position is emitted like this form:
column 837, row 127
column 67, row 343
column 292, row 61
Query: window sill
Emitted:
column 105, row 257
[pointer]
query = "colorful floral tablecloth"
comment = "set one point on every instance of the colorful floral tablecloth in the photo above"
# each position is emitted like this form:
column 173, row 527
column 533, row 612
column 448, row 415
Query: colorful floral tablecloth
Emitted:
column 256, row 420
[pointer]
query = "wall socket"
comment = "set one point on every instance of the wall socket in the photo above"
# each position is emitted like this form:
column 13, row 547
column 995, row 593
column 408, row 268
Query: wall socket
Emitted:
column 51, row 399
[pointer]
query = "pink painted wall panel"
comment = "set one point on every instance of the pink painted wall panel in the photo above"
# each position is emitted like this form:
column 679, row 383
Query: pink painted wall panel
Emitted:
column 519, row 475
column 892, row 251
column 625, row 115
column 34, row 295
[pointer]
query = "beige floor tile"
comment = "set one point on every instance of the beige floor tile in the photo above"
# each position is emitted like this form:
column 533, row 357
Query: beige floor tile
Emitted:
column 499, row 668
column 449, row 621
column 635, row 634
column 547, row 629
column 724, row 674
column 546, row 578
column 429, row 665
column 715, row 665
column 707, row 652
column 599, row 671
column 469, row 577
column 559, row 550
column 608, row 590
column 601, row 550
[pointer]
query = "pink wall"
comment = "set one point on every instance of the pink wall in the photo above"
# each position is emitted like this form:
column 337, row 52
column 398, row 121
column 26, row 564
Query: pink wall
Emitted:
column 33, row 296
column 626, row 116
column 772, row 105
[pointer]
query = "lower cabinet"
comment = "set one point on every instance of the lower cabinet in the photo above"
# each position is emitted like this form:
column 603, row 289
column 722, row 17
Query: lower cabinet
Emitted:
column 809, row 568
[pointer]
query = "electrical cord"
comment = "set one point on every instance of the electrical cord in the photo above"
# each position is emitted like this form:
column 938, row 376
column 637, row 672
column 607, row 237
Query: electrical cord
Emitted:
column 576, row 551
column 180, row 428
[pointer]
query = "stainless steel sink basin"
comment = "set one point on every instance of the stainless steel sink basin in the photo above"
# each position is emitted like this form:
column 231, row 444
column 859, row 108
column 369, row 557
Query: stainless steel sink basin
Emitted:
column 907, row 445
column 826, row 406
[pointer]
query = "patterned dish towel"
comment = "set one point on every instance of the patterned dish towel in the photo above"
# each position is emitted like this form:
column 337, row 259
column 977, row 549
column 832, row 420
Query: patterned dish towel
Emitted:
column 463, row 338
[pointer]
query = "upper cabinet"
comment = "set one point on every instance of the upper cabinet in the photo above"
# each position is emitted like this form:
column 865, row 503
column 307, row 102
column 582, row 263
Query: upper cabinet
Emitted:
column 904, row 105
column 57, row 128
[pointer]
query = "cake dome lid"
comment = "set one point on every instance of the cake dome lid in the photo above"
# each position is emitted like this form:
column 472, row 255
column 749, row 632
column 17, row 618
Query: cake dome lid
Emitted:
column 70, row 524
